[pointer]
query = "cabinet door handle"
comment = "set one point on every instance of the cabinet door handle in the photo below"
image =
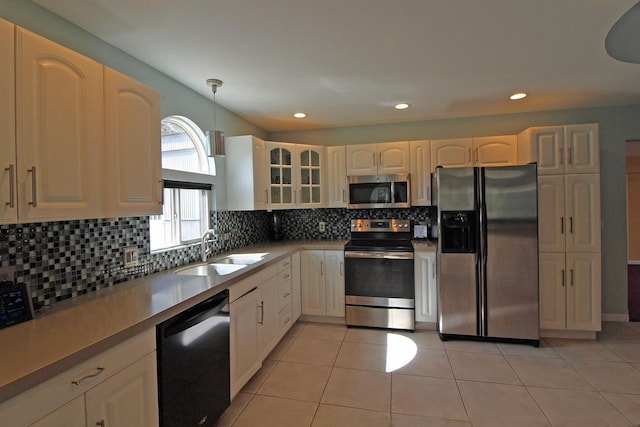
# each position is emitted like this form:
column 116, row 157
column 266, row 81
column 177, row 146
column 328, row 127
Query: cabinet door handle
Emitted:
column 561, row 151
column 86, row 377
column 469, row 155
column 34, row 187
column 287, row 320
column 261, row 313
column 380, row 159
column 286, row 294
column 571, row 282
column 433, row 270
column 341, row 266
column 11, row 202
column 563, row 278
column 570, row 153
column 561, row 225
column 295, row 196
column 344, row 195
column 475, row 155
column 322, row 268
column 286, row 276
column 100, row 423
column 571, row 224
column 161, row 182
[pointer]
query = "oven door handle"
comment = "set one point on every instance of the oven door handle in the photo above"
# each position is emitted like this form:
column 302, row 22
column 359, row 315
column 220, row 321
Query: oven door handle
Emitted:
column 378, row 255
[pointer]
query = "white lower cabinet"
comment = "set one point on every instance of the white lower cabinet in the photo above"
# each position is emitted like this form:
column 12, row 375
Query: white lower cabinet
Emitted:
column 322, row 282
column 260, row 314
column 117, row 388
column 425, row 278
column 570, row 291
column 245, row 355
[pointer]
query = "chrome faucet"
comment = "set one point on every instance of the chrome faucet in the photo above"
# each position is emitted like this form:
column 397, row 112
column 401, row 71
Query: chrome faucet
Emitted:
column 204, row 250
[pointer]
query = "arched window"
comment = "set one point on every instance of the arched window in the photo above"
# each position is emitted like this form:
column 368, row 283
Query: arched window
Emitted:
column 186, row 213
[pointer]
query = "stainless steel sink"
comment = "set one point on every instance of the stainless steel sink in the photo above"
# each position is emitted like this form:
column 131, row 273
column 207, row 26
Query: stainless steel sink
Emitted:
column 223, row 266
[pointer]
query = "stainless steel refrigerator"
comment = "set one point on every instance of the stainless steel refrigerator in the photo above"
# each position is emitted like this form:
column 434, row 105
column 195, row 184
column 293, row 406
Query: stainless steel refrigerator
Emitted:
column 488, row 253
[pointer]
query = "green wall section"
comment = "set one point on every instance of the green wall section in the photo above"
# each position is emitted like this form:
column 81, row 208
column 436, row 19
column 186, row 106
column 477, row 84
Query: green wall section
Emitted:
column 617, row 124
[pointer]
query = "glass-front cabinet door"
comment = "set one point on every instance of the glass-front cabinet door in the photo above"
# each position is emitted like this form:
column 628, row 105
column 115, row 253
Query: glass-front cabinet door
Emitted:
column 310, row 187
column 281, row 174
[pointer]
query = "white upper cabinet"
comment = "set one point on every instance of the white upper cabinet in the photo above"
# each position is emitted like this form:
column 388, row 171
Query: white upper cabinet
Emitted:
column 383, row 158
column 483, row 151
column 281, row 174
column 59, row 131
column 551, row 213
column 246, row 173
column 495, row 150
column 336, row 177
column 310, row 176
column 420, row 173
column 451, row 153
column 561, row 149
column 8, row 186
column 134, row 172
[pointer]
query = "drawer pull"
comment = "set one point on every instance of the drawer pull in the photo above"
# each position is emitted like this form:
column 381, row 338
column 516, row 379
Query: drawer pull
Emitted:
column 286, row 294
column 286, row 276
column 100, row 423
column 86, row 377
column 287, row 320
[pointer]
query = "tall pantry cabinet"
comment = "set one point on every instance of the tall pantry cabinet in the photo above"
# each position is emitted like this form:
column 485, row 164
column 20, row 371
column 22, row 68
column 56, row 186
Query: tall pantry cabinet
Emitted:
column 569, row 225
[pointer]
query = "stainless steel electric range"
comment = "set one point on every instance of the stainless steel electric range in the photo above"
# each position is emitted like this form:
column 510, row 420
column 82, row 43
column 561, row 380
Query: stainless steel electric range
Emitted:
column 379, row 274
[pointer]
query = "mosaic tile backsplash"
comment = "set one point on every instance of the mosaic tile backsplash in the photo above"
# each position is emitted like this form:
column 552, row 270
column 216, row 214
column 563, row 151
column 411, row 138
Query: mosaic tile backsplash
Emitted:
column 61, row 260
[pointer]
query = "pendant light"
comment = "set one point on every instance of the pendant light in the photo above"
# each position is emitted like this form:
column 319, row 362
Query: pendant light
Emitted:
column 215, row 138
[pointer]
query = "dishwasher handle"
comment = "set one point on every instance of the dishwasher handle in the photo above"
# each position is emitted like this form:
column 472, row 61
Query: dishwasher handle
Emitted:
column 197, row 314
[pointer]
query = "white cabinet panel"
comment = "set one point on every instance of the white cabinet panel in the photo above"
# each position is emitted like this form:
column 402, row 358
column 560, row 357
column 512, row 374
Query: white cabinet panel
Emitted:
column 551, row 213
column 584, row 291
column 8, row 185
column 582, row 195
column 59, row 131
column 322, row 282
column 268, row 321
column 552, row 290
column 582, row 149
column 425, row 279
column 70, row 415
column 383, row 158
column 127, row 399
column 495, row 150
column 420, row 173
column 246, row 173
column 451, row 153
column 245, row 351
column 134, row 172
column 337, row 177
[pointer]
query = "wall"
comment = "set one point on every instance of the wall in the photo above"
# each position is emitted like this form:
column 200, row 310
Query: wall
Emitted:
column 617, row 125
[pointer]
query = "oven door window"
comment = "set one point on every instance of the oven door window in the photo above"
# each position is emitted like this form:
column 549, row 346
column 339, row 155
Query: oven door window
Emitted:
column 376, row 277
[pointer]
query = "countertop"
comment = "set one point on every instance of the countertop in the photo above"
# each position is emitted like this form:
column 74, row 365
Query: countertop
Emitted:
column 77, row 329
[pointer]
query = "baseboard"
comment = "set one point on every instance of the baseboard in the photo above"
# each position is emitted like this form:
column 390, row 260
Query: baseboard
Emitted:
column 615, row 317
column 564, row 333
column 322, row 319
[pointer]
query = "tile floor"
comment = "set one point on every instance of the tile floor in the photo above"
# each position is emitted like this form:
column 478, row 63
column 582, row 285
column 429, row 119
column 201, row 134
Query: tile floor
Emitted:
column 330, row 375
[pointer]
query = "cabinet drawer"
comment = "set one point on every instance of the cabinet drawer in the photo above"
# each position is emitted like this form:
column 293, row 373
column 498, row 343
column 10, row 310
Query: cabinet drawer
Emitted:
column 285, row 320
column 284, row 289
column 43, row 399
column 285, row 263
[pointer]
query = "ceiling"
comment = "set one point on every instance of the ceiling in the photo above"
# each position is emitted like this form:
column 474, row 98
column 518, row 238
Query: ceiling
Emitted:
column 348, row 62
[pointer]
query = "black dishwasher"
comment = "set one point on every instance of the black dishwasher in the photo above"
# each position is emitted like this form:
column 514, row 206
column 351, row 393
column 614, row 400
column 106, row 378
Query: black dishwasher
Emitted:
column 193, row 364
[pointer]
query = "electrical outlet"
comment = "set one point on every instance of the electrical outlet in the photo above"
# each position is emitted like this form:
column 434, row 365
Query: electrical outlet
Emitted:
column 322, row 226
column 130, row 256
column 7, row 274
column 227, row 236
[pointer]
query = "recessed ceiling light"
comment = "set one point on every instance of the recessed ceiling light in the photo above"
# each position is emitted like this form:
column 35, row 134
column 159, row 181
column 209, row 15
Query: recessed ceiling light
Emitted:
column 402, row 106
column 518, row 95
column 299, row 115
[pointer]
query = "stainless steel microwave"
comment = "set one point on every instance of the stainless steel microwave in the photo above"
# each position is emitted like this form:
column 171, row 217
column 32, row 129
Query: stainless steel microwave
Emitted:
column 378, row 191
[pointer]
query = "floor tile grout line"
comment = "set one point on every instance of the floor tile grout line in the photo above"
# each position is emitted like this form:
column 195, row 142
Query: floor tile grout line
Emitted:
column 455, row 380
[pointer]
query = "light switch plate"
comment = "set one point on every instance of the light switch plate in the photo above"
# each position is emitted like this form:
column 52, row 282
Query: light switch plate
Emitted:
column 130, row 256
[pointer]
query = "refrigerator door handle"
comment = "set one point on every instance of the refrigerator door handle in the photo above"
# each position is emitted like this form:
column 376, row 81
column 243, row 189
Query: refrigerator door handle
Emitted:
column 482, row 273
